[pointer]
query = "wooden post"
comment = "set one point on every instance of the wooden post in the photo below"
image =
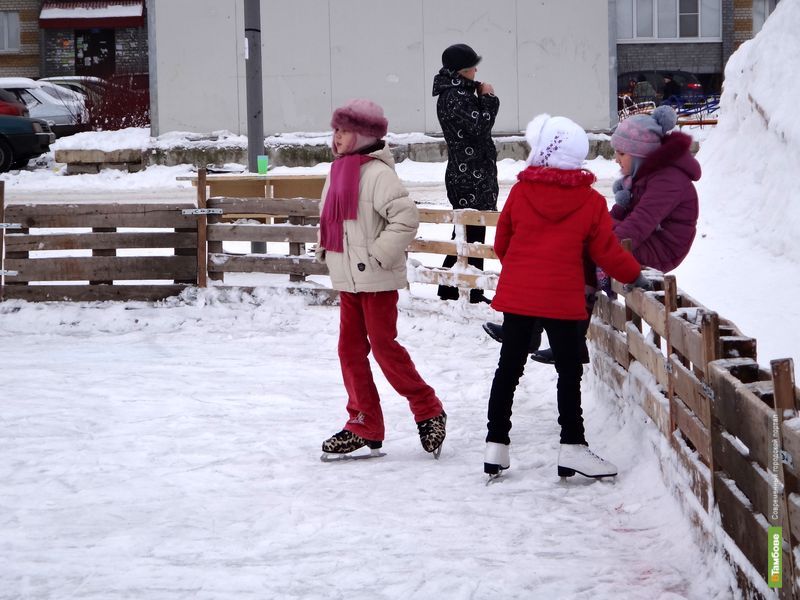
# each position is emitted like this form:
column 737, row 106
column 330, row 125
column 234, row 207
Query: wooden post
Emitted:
column 296, row 248
column 2, row 239
column 103, row 252
column 211, row 247
column 461, row 259
column 202, row 227
column 786, row 400
column 629, row 314
column 6, row 255
column 670, row 305
column 712, row 346
column 712, row 350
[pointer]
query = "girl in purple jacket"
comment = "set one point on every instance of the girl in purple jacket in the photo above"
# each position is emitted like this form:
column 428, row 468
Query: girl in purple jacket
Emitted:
column 655, row 200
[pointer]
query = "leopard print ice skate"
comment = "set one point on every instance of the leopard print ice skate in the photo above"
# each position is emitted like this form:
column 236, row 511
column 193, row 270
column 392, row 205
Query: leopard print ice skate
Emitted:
column 345, row 442
column 432, row 433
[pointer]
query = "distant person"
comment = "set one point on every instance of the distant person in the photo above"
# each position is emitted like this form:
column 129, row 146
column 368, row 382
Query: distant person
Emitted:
column 366, row 222
column 467, row 109
column 643, row 91
column 551, row 218
column 655, row 201
column 672, row 90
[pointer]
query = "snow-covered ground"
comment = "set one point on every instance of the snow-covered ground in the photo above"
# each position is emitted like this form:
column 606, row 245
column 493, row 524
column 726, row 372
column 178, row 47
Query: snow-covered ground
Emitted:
column 172, row 450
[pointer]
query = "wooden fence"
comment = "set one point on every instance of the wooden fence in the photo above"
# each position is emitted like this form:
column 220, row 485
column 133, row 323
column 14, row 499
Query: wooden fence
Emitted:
column 98, row 251
column 733, row 425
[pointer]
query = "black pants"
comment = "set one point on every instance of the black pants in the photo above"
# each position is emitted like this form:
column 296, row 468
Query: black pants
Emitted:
column 475, row 233
column 564, row 339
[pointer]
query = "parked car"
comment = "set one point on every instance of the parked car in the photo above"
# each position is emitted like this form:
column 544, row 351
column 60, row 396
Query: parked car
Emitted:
column 22, row 139
column 691, row 90
column 9, row 105
column 65, row 115
column 122, row 100
column 92, row 88
column 61, row 93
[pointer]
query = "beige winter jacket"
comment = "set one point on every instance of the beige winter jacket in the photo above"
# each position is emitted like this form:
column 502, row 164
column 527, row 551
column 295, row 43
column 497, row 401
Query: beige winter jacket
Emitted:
column 373, row 257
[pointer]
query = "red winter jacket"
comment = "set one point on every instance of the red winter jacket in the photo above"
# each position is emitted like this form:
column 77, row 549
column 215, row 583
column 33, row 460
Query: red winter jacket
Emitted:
column 550, row 218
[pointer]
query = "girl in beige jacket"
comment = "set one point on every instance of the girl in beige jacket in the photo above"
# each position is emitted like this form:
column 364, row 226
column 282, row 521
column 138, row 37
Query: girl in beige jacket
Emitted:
column 366, row 222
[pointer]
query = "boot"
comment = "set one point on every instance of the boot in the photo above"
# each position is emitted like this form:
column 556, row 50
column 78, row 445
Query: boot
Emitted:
column 495, row 332
column 432, row 433
column 546, row 357
column 496, row 458
column 346, row 442
column 447, row 292
column 476, row 297
column 577, row 458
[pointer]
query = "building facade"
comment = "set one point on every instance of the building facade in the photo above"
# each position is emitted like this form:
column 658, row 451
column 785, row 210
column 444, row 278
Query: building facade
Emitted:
column 685, row 35
column 63, row 37
column 20, row 54
column 96, row 39
column 549, row 55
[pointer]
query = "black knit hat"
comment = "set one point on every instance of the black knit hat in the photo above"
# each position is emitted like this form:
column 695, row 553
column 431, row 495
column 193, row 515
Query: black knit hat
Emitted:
column 459, row 56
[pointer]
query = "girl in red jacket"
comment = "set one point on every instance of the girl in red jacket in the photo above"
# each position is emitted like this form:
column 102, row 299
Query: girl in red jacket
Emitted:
column 552, row 216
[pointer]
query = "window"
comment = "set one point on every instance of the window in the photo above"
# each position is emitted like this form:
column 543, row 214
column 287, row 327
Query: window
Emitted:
column 676, row 20
column 9, row 31
column 761, row 10
column 25, row 97
column 688, row 18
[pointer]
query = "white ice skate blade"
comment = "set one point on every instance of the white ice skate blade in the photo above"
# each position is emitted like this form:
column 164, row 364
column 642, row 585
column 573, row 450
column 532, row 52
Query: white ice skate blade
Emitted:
column 612, row 477
column 357, row 455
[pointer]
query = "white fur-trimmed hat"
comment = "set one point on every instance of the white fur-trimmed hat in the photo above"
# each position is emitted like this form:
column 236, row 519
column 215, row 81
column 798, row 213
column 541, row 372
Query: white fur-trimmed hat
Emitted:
column 556, row 142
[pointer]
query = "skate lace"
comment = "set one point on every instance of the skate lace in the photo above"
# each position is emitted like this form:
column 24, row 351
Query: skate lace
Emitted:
column 594, row 457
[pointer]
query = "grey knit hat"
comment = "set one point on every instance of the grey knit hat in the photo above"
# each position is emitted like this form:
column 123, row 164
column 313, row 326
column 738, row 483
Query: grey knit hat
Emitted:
column 640, row 135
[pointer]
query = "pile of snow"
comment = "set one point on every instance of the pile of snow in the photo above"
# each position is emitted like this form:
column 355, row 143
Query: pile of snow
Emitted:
column 750, row 161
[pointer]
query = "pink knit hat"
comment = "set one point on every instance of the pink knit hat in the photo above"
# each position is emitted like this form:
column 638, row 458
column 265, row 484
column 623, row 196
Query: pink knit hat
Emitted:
column 361, row 116
column 640, row 135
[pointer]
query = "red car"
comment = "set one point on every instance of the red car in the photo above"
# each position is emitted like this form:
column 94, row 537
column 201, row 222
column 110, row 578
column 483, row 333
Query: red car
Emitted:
column 9, row 105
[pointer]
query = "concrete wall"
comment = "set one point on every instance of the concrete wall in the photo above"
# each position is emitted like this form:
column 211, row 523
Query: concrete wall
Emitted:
column 549, row 55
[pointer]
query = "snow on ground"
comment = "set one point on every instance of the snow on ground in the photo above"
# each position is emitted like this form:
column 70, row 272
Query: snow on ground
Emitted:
column 173, row 452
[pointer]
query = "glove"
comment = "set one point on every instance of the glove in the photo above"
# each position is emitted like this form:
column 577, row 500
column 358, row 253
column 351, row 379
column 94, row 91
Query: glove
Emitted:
column 641, row 282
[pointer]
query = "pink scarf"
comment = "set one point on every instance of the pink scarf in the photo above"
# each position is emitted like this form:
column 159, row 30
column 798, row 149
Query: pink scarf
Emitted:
column 341, row 203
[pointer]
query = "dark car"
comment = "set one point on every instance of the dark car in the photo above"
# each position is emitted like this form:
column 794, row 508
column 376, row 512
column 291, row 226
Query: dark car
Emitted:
column 689, row 88
column 22, row 139
column 9, row 105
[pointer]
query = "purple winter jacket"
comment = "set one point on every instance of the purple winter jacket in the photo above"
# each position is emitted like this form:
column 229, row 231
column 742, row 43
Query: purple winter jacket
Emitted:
column 661, row 220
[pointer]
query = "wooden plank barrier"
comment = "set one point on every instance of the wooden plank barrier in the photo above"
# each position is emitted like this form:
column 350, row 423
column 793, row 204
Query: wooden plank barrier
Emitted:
column 302, row 214
column 89, row 251
column 733, row 425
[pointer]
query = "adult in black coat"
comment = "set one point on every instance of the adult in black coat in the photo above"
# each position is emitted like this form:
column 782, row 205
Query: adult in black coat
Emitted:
column 672, row 90
column 467, row 110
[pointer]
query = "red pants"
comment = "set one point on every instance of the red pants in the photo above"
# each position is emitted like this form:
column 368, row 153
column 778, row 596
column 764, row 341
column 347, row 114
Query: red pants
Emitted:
column 369, row 320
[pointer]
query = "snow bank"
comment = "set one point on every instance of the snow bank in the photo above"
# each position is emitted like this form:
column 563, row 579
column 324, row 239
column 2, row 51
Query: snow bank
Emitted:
column 750, row 159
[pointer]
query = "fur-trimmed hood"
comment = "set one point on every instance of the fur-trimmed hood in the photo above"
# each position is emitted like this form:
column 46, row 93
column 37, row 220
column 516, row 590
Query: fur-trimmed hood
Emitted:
column 557, row 193
column 561, row 177
column 674, row 151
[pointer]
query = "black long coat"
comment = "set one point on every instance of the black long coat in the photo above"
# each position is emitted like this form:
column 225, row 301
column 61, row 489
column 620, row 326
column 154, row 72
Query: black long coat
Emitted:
column 467, row 120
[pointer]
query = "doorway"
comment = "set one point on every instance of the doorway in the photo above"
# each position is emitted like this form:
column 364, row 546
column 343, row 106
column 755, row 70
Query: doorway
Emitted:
column 95, row 52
